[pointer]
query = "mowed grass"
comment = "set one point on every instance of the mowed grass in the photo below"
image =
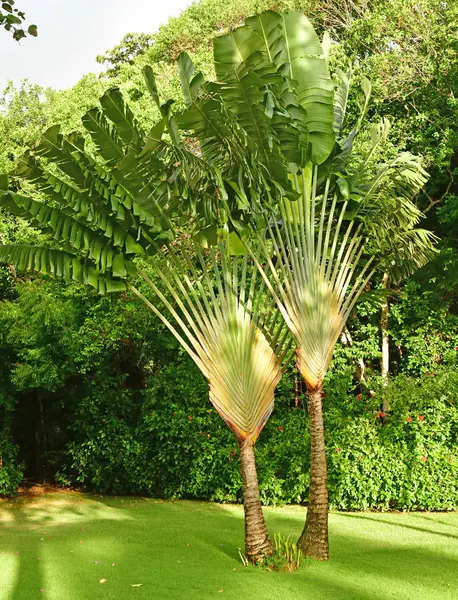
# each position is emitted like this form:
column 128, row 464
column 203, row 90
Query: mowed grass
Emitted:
column 60, row 546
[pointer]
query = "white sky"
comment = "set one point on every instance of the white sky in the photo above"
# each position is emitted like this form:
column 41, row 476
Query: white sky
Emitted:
column 71, row 33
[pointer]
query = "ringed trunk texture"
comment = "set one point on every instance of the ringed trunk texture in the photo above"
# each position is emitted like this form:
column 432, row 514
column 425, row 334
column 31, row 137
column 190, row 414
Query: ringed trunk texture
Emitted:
column 314, row 538
column 257, row 543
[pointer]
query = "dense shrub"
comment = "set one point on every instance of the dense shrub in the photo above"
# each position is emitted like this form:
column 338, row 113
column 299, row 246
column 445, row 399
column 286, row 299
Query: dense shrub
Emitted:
column 405, row 460
column 169, row 442
column 10, row 470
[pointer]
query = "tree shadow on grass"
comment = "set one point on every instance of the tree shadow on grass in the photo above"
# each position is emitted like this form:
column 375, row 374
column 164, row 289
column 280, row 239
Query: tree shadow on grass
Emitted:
column 32, row 529
column 434, row 519
column 26, row 581
column 188, row 550
column 400, row 524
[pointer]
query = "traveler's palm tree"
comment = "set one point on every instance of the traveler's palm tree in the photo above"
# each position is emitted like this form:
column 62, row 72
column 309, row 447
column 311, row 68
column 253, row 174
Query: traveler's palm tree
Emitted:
column 102, row 228
column 113, row 199
column 351, row 220
column 231, row 327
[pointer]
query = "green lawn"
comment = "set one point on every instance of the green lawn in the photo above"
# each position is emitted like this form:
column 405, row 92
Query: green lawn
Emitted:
column 64, row 544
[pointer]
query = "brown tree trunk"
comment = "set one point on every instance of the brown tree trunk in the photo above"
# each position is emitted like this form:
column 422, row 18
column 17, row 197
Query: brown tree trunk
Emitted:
column 257, row 542
column 346, row 340
column 41, row 444
column 384, row 319
column 314, row 539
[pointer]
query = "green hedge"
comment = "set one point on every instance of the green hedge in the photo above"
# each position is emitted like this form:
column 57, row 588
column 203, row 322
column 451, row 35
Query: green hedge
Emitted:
column 406, row 461
column 11, row 470
column 169, row 442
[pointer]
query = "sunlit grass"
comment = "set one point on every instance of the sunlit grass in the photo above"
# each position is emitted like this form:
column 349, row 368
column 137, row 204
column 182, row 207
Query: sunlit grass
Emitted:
column 66, row 544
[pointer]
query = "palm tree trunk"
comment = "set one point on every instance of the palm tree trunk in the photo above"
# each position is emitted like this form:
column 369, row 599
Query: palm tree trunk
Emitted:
column 314, row 539
column 257, row 542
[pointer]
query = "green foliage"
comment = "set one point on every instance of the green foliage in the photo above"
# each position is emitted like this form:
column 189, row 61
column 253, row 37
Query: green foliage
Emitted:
column 407, row 49
column 287, row 552
column 11, row 471
column 12, row 20
column 424, row 329
column 129, row 48
column 405, row 461
column 195, row 28
column 7, row 289
column 148, row 455
column 274, row 120
column 170, row 443
column 112, row 418
column 38, row 326
column 100, row 217
column 28, row 110
column 286, row 555
column 90, row 358
column 56, row 341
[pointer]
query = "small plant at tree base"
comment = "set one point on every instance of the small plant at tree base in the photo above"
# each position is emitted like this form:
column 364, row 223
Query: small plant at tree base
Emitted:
column 243, row 558
column 285, row 557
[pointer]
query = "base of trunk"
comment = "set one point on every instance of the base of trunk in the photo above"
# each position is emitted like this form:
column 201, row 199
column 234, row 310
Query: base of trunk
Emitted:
column 257, row 543
column 313, row 540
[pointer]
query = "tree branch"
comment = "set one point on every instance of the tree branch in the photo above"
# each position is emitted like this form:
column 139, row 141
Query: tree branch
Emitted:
column 432, row 202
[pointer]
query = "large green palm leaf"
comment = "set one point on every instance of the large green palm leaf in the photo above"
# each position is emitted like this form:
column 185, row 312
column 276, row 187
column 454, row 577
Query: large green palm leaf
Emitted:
column 60, row 264
column 290, row 42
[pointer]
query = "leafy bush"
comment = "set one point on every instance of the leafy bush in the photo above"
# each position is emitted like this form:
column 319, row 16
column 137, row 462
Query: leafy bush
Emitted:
column 405, row 460
column 424, row 328
column 10, row 470
column 169, row 442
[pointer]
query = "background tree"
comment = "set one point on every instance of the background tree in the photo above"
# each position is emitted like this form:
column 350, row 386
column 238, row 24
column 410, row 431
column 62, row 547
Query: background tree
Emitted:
column 130, row 47
column 12, row 20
